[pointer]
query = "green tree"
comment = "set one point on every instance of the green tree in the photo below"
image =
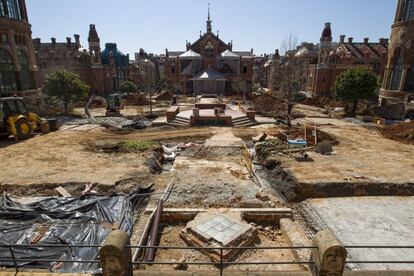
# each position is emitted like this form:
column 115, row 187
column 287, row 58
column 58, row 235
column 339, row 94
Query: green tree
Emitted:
column 356, row 84
column 66, row 86
column 128, row 87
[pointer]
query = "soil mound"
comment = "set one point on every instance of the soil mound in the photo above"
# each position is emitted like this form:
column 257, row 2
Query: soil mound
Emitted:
column 164, row 96
column 323, row 102
column 137, row 100
column 269, row 106
column 403, row 132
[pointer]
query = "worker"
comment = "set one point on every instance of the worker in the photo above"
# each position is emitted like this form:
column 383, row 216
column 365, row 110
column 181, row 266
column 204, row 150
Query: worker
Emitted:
column 174, row 99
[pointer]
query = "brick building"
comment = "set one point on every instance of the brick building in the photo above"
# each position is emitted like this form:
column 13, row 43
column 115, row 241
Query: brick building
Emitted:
column 334, row 58
column 18, row 69
column 103, row 71
column 145, row 70
column 209, row 66
column 398, row 82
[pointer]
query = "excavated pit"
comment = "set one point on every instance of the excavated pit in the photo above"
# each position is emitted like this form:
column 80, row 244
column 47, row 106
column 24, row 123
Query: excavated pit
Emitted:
column 285, row 183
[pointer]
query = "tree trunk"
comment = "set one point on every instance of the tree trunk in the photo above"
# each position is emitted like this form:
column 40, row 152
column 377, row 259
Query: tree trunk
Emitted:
column 354, row 107
column 66, row 106
column 289, row 111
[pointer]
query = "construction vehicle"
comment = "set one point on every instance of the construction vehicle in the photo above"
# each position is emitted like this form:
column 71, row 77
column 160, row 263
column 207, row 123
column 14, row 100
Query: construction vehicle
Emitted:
column 114, row 104
column 18, row 121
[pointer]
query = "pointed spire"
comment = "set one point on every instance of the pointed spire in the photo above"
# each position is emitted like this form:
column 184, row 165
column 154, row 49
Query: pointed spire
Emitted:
column 209, row 28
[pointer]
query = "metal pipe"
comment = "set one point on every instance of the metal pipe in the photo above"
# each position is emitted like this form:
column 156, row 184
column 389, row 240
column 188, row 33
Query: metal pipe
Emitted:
column 144, row 235
column 153, row 237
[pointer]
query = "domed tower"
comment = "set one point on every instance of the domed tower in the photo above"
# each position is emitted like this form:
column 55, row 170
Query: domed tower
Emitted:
column 94, row 45
column 325, row 45
column 398, row 84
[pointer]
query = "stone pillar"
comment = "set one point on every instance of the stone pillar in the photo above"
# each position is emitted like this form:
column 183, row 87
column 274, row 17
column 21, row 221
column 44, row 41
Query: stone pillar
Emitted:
column 114, row 256
column 329, row 255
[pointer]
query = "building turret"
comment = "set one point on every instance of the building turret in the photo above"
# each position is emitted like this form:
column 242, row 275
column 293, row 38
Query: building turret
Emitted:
column 209, row 27
column 94, row 45
column 325, row 45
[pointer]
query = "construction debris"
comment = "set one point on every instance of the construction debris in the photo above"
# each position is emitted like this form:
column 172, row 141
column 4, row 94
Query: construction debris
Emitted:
column 267, row 105
column 112, row 122
column 63, row 192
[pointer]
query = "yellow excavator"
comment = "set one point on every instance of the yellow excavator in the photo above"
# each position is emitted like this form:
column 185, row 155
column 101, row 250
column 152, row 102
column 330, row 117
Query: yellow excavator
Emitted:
column 18, row 121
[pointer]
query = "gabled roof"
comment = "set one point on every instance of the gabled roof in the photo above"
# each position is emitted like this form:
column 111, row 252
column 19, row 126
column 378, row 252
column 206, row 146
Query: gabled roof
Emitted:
column 190, row 54
column 205, row 36
column 209, row 74
column 229, row 54
column 362, row 50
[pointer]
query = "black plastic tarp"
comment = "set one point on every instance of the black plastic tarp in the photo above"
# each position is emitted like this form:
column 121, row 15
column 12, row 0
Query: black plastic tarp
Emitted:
column 63, row 221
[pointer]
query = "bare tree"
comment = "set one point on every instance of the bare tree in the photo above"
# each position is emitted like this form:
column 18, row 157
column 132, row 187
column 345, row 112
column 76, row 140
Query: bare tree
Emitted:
column 290, row 43
column 291, row 75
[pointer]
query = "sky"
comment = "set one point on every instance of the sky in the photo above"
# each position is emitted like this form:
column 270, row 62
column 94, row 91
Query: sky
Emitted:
column 159, row 24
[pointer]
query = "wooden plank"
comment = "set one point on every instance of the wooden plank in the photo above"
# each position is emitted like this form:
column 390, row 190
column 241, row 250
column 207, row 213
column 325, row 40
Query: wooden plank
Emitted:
column 63, row 192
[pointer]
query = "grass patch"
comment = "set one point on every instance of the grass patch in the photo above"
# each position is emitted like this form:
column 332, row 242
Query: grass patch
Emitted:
column 139, row 145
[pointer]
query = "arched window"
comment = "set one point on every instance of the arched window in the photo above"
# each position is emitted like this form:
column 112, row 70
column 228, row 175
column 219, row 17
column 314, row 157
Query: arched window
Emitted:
column 397, row 73
column 24, row 73
column 409, row 86
column 245, row 68
column 409, row 10
column 7, row 76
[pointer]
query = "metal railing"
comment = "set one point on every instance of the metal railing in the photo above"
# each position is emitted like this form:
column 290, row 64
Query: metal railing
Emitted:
column 221, row 264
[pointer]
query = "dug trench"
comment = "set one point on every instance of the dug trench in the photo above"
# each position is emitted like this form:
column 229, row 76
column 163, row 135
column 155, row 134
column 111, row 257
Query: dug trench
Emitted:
column 292, row 190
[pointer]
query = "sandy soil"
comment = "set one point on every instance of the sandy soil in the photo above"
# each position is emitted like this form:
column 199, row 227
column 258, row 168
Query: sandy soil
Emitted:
column 363, row 155
column 271, row 237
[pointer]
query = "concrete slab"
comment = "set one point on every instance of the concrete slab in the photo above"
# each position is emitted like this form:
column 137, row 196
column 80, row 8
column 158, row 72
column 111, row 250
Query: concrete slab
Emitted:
column 221, row 228
column 368, row 221
column 224, row 139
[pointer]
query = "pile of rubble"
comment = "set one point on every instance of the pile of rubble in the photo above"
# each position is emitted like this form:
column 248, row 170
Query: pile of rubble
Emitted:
column 323, row 102
column 164, row 96
column 112, row 122
column 137, row 100
column 269, row 106
column 403, row 132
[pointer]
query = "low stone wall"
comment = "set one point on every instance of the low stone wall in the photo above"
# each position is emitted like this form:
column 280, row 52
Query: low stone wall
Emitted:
column 172, row 112
column 210, row 106
column 250, row 113
column 211, row 120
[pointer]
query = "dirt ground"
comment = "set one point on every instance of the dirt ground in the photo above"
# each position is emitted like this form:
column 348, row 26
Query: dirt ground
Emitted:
column 363, row 155
column 266, row 237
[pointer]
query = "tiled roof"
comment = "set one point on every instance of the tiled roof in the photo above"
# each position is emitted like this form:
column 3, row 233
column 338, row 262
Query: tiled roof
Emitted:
column 209, row 74
column 363, row 50
column 190, row 54
column 229, row 54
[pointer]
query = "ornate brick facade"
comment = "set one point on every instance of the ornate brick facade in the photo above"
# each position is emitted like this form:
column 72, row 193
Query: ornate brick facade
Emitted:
column 398, row 82
column 209, row 66
column 103, row 71
column 336, row 58
column 18, row 69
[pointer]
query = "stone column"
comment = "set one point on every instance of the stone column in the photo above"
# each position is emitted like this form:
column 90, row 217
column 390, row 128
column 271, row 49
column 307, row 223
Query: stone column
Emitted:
column 115, row 256
column 329, row 255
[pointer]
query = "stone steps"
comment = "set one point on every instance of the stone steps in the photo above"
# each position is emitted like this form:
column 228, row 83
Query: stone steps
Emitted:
column 179, row 121
column 244, row 122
